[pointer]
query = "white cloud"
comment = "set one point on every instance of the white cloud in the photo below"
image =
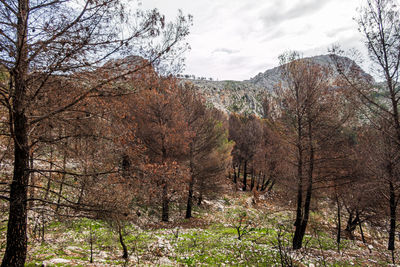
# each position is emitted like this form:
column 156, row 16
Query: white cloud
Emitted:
column 236, row 39
column 225, row 50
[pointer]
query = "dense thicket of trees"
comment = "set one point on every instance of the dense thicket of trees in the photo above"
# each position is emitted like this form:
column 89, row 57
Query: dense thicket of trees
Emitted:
column 379, row 24
column 94, row 125
column 44, row 41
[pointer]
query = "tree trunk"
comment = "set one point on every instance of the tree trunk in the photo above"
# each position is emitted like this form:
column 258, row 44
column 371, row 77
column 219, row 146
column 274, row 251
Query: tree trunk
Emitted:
column 165, row 203
column 392, row 231
column 302, row 217
column 245, row 175
column 121, row 241
column 234, row 174
column 271, row 186
column 191, row 184
column 297, row 238
column 238, row 172
column 91, row 243
column 252, row 180
column 307, row 202
column 351, row 226
column 16, row 247
column 362, row 232
column 200, row 200
column 264, row 183
column 339, row 221
column 190, row 200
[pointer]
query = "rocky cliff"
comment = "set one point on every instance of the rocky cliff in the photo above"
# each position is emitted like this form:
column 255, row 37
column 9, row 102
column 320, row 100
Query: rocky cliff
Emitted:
column 247, row 96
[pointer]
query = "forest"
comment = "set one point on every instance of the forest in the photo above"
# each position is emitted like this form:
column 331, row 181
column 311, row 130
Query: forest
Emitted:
column 109, row 156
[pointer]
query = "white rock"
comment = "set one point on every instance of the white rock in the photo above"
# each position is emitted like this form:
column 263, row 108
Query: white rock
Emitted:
column 60, row 261
column 165, row 261
column 73, row 248
column 55, row 261
column 102, row 254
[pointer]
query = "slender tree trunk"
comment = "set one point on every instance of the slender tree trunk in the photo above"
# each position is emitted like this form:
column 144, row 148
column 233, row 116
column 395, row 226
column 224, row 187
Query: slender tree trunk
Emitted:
column 245, row 175
column 339, row 221
column 392, row 231
column 252, row 180
column 122, row 242
column 16, row 247
column 271, row 186
column 302, row 217
column 234, row 175
column 43, row 224
column 264, row 183
column 297, row 239
column 190, row 199
column 200, row 200
column 362, row 232
column 165, row 203
column 307, row 202
column 238, row 172
column 351, row 225
column 191, row 184
column 258, row 181
column 91, row 243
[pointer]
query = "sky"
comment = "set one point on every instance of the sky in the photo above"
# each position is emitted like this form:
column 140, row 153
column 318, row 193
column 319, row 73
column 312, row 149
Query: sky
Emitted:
column 237, row 39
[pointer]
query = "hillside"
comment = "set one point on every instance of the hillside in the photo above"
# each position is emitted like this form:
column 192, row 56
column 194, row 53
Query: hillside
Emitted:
column 247, row 96
column 210, row 239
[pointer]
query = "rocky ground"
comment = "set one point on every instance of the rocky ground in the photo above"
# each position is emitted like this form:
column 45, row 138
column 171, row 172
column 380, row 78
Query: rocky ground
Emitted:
column 211, row 238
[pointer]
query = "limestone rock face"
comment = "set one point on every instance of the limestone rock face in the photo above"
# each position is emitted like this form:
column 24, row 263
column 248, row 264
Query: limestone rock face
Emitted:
column 247, row 96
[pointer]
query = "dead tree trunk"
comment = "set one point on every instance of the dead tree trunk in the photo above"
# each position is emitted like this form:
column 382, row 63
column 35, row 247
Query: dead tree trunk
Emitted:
column 351, row 225
column 234, row 174
column 252, row 179
column 191, row 185
column 165, row 203
column 245, row 176
column 16, row 246
column 303, row 213
column 339, row 221
column 122, row 242
column 392, row 230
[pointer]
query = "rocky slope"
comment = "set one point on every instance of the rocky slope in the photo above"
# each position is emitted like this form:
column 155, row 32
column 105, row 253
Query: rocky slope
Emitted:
column 247, row 96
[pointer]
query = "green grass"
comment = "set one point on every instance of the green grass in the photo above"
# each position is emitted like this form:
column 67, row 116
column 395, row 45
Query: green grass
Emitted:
column 219, row 244
column 214, row 245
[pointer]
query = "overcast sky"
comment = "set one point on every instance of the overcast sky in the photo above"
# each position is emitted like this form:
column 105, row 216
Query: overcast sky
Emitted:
column 237, row 39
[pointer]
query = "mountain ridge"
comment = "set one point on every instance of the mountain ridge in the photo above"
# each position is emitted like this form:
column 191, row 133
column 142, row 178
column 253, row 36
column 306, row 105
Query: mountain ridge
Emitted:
column 246, row 96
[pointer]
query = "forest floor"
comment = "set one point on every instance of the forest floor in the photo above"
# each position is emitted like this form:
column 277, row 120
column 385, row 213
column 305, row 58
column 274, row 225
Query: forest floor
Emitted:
column 210, row 238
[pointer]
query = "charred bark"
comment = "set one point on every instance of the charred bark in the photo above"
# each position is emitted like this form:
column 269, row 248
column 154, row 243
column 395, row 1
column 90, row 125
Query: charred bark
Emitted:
column 122, row 242
column 16, row 247
column 245, row 176
column 392, row 230
column 165, row 204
